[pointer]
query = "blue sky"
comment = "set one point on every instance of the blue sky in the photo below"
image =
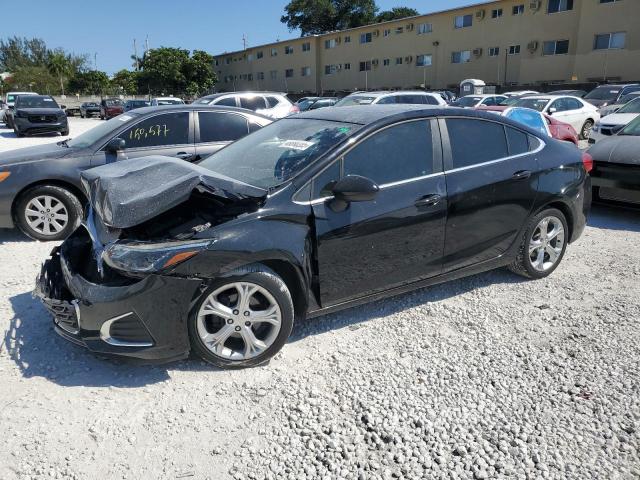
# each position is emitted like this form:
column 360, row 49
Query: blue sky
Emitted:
column 107, row 29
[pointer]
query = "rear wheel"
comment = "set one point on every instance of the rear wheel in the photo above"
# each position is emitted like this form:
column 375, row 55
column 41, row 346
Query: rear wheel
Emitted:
column 242, row 320
column 585, row 132
column 48, row 212
column 81, row 114
column 543, row 245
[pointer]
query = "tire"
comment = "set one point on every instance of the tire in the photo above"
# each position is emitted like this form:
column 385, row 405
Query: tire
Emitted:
column 233, row 349
column 585, row 131
column 81, row 114
column 64, row 133
column 523, row 265
column 60, row 196
column 18, row 133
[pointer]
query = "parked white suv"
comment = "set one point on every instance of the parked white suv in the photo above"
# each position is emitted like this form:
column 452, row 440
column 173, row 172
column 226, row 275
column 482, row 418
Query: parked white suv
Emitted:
column 9, row 102
column 271, row 104
column 386, row 98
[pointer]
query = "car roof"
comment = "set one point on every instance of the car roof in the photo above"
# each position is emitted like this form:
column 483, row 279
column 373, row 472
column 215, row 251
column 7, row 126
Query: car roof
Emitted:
column 166, row 98
column 381, row 93
column 200, row 106
column 250, row 92
column 550, row 97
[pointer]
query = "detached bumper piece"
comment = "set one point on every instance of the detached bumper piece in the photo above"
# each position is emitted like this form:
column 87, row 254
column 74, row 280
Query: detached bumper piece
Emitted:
column 138, row 318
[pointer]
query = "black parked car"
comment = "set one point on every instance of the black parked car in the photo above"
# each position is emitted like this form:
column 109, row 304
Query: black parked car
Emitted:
column 313, row 213
column 37, row 114
column 133, row 104
column 89, row 109
column 40, row 188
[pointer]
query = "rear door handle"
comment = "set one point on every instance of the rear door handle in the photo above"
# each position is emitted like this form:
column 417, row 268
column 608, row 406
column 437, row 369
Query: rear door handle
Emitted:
column 428, row 200
column 521, row 174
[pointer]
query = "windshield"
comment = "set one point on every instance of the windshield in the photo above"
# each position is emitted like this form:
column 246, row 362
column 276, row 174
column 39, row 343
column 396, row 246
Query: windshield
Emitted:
column 352, row 100
column 170, row 102
column 632, row 107
column 509, row 101
column 278, row 152
column 32, row 101
column 466, row 101
column 533, row 103
column 528, row 117
column 632, row 128
column 603, row 93
column 113, row 103
column 90, row 137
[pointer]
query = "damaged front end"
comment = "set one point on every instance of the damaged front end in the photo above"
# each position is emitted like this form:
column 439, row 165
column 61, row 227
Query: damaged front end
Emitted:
column 112, row 285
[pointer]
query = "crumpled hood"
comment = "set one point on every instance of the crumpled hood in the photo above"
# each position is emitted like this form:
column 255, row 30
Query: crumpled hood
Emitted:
column 618, row 118
column 617, row 149
column 130, row 192
column 49, row 151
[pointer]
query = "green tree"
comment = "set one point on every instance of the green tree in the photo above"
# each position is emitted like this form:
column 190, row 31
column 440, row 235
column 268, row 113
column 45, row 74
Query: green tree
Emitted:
column 321, row 16
column 200, row 74
column 92, row 82
column 33, row 78
column 125, row 81
column 396, row 13
column 60, row 66
column 18, row 52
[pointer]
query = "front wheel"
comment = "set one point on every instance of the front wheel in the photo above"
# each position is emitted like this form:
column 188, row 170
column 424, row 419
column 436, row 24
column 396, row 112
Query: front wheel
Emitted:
column 242, row 320
column 585, row 132
column 543, row 245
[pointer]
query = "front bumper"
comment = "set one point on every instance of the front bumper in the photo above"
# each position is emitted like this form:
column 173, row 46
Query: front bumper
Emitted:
column 144, row 319
column 26, row 126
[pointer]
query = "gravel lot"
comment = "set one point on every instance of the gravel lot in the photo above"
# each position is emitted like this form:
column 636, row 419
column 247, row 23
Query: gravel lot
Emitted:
column 485, row 377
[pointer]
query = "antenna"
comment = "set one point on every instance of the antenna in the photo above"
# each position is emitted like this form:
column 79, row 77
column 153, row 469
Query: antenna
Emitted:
column 135, row 54
column 146, row 44
column 245, row 41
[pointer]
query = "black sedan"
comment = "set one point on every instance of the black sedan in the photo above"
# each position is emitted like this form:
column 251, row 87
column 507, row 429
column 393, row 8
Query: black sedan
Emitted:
column 313, row 213
column 616, row 166
column 38, row 114
column 89, row 109
column 40, row 188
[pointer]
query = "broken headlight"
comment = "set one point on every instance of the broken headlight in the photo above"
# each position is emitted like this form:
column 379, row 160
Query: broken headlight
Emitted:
column 143, row 257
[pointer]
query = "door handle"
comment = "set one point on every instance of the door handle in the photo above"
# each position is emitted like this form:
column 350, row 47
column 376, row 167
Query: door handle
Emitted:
column 522, row 174
column 428, row 200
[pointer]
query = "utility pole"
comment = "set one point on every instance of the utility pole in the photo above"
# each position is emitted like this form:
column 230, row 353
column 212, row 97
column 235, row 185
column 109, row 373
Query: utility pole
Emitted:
column 146, row 44
column 506, row 59
column 95, row 61
column 245, row 41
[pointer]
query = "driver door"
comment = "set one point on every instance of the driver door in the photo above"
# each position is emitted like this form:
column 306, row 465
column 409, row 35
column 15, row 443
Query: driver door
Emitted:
column 394, row 239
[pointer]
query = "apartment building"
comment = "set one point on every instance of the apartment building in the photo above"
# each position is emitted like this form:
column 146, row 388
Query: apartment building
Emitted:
column 505, row 42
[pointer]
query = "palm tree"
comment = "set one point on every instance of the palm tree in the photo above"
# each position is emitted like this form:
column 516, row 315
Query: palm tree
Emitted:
column 60, row 66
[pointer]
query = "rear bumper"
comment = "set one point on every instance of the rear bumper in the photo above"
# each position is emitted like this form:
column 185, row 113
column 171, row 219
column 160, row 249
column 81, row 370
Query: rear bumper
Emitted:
column 144, row 319
column 617, row 183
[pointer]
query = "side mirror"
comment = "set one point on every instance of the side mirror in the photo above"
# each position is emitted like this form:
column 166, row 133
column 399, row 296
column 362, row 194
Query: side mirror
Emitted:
column 63, row 107
column 353, row 188
column 115, row 145
column 552, row 110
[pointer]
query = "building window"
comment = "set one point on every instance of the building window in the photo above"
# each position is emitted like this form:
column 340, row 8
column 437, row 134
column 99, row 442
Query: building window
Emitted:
column 425, row 28
column 330, row 69
column 514, row 50
column 386, row 62
column 365, row 66
column 496, row 13
column 494, row 51
column 518, row 10
column 399, row 30
column 288, row 50
column 387, row 32
column 607, row 41
column 250, row 77
column 260, row 75
column 366, row 37
column 250, row 57
column 556, row 6
column 274, row 52
column 227, row 60
column 273, row 74
column 463, row 21
column 423, row 60
column 555, row 47
column 288, row 72
column 347, row 66
column 305, row 71
column 398, row 60
column 330, row 43
column 306, row 47
column 609, row 1
column 259, row 55
column 461, row 57
column 347, row 39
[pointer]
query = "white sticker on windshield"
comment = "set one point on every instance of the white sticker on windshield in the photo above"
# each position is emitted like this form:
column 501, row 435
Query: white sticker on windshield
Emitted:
column 124, row 118
column 296, row 144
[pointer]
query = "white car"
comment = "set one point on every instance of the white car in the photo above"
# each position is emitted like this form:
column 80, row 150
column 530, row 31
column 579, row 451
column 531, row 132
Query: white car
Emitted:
column 576, row 112
column 9, row 101
column 473, row 101
column 520, row 93
column 270, row 104
column 613, row 123
column 157, row 101
column 413, row 97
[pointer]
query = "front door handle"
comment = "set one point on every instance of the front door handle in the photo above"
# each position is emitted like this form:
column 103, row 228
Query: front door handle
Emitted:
column 519, row 175
column 428, row 200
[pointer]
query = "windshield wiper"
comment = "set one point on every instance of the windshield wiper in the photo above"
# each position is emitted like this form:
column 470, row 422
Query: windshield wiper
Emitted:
column 63, row 143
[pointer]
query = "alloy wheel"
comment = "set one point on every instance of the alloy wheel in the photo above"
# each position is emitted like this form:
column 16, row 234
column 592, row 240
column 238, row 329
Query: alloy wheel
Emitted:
column 546, row 243
column 239, row 321
column 46, row 215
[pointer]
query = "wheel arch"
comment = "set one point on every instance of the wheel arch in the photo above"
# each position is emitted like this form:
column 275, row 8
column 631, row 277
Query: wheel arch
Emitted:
column 566, row 211
column 293, row 279
column 82, row 198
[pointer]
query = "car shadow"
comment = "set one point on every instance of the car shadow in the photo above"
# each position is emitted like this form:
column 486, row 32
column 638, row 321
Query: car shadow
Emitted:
column 614, row 218
column 9, row 134
column 8, row 235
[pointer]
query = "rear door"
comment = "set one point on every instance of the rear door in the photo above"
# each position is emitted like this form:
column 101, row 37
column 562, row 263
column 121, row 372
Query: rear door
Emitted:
column 491, row 174
column 216, row 130
column 394, row 239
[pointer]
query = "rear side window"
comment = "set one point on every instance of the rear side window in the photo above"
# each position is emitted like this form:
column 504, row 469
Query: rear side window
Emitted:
column 221, row 127
column 159, row 130
column 253, row 103
column 476, row 141
column 272, row 101
column 227, row 102
column 410, row 99
column 377, row 157
column 429, row 100
column 518, row 141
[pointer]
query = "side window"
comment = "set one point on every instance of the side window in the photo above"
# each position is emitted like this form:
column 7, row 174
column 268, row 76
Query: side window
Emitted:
column 254, row 127
column 476, row 141
column 227, row 102
column 387, row 100
column 429, row 100
column 253, row 103
column 410, row 99
column 489, row 101
column 272, row 102
column 324, row 182
column 159, row 130
column 518, row 141
column 221, row 127
column 378, row 157
column 559, row 105
column 573, row 104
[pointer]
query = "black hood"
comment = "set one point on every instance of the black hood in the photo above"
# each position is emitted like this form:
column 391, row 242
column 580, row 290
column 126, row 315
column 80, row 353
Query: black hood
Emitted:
column 617, row 149
column 41, row 111
column 48, row 151
column 127, row 193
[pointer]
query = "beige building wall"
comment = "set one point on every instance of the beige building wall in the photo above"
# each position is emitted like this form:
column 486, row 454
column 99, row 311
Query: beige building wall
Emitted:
column 399, row 43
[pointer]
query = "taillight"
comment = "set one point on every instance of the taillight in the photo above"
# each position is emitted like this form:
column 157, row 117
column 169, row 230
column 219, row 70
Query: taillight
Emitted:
column 587, row 161
column 294, row 109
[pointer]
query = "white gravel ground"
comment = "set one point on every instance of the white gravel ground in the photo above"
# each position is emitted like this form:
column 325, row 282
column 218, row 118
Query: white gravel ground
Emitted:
column 485, row 377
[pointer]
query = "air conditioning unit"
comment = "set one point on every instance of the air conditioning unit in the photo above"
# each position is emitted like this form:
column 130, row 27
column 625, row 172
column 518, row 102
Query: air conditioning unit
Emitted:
column 533, row 46
column 480, row 14
column 408, row 59
column 376, row 33
column 535, row 6
column 477, row 52
column 409, row 27
column 374, row 62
